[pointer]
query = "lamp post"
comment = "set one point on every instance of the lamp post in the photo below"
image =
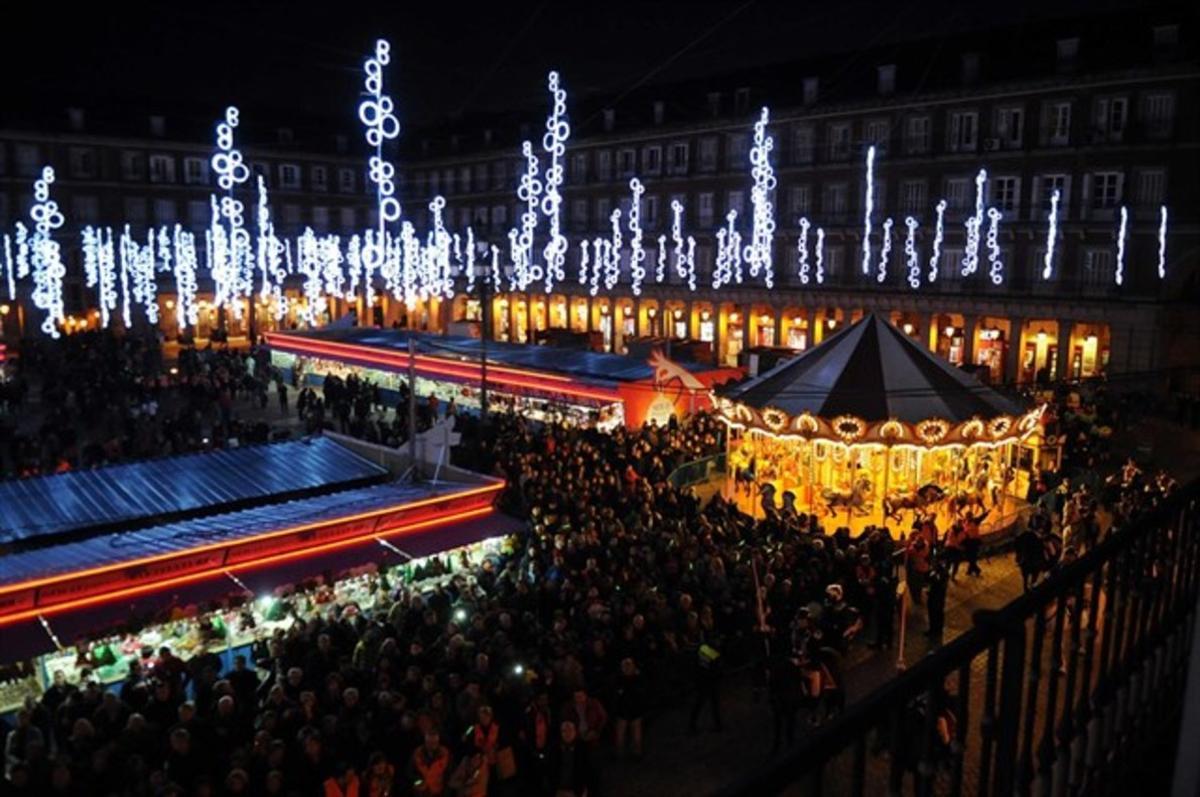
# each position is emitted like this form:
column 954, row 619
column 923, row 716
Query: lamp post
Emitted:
column 483, row 276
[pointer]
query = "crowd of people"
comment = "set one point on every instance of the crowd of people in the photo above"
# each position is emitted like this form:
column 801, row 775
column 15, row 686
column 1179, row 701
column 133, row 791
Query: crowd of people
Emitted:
column 624, row 594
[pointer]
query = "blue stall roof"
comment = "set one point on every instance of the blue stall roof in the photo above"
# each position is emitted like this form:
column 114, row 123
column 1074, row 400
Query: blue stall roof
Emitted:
column 582, row 364
column 173, row 486
column 114, row 548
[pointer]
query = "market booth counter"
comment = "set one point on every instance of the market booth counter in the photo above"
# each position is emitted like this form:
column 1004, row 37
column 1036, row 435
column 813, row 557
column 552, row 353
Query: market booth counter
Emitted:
column 871, row 428
column 111, row 586
column 543, row 383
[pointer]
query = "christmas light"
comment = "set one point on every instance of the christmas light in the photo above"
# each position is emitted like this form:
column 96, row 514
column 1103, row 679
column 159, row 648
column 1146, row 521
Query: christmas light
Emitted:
column 758, row 253
column 612, row 252
column 868, row 208
column 974, row 224
column 660, row 269
column 910, row 253
column 1119, row 274
column 685, row 260
column 529, row 191
column 637, row 254
column 996, row 268
column 728, row 266
column 583, row 262
column 802, row 251
column 46, row 260
column 231, row 247
column 378, row 115
column 554, row 143
column 1051, row 237
column 1162, row 243
column 939, row 232
column 885, row 250
column 8, row 268
column 820, row 273
column 186, row 312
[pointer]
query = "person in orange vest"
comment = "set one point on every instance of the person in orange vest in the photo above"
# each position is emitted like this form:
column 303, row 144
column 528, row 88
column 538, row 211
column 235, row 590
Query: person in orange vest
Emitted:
column 484, row 735
column 917, row 571
column 344, row 784
column 429, row 764
column 956, row 537
column 379, row 777
column 972, row 525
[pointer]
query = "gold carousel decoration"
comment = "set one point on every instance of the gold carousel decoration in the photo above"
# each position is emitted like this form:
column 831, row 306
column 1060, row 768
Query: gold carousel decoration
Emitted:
column 872, row 425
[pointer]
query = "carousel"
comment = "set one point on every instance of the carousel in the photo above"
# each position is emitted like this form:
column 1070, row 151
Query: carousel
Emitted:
column 871, row 428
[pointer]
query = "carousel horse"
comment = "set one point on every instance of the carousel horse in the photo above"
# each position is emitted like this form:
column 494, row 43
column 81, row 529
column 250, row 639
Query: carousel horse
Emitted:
column 963, row 503
column 916, row 500
column 1037, row 554
column 855, row 499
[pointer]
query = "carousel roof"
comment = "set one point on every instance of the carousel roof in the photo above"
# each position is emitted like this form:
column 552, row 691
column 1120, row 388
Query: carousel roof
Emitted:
column 874, row 372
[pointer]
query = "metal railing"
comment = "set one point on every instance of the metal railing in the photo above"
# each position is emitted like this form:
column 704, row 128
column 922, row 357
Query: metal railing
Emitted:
column 1061, row 692
column 697, row 472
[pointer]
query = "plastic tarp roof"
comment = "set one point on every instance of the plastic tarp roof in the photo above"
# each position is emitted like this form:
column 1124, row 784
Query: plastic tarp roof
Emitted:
column 108, row 549
column 588, row 365
column 873, row 371
column 175, row 486
column 28, row 638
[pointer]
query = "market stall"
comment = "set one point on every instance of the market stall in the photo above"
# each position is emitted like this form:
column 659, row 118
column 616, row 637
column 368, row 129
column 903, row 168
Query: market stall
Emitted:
column 869, row 427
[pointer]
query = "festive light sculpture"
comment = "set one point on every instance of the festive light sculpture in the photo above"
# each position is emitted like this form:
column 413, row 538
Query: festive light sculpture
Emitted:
column 637, row 254
column 885, row 250
column 554, row 142
column 802, row 267
column 685, row 260
column 939, row 233
column 529, row 191
column 910, row 253
column 1051, row 237
column 46, row 259
column 974, row 225
column 378, row 115
column 758, row 253
column 868, row 208
column 1119, row 274
column 996, row 267
column 1162, row 242
column 820, row 273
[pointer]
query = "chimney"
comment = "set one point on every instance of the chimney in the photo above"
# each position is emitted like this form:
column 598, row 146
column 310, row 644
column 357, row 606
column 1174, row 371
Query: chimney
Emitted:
column 659, row 111
column 610, row 119
column 970, row 68
column 811, row 89
column 158, row 126
column 886, row 82
column 75, row 118
column 1068, row 53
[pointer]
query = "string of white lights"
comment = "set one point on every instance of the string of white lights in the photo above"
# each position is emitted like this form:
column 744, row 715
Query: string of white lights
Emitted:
column 637, row 254
column 48, row 267
column 758, row 253
column 910, row 253
column 939, row 234
column 1162, row 242
column 1119, row 273
column 378, row 115
column 802, row 267
column 820, row 268
column 554, row 142
column 868, row 208
column 996, row 267
column 885, row 250
column 1051, row 236
column 974, row 225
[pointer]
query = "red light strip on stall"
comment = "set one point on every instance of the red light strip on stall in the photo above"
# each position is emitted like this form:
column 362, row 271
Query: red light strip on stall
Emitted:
column 271, row 559
column 489, row 488
column 545, row 383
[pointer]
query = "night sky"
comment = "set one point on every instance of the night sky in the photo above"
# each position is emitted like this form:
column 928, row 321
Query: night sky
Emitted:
column 449, row 58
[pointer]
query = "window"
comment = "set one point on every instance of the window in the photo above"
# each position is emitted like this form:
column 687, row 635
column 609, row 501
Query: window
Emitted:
column 839, row 141
column 950, row 264
column 319, row 177
column 320, row 218
column 1158, row 114
column 164, row 211
column 877, row 132
column 195, row 171
column 448, row 181
column 705, row 209
column 708, row 154
column 627, row 162
column 1106, row 189
column 162, row 169
column 499, row 216
column 1151, row 187
column 346, row 181
column 603, row 211
column 834, row 201
column 652, row 160
column 650, row 211
column 917, row 135
column 481, row 176
column 1010, row 123
column 83, row 162
column 834, row 262
column 199, row 213
column 346, row 217
column 799, row 199
column 433, row 182
column 887, row 78
column 802, row 144
column 735, row 200
column 135, row 209
column 604, row 164
column 1097, row 272
column 1006, row 193
column 464, row 179
column 579, row 213
column 85, row 209
column 741, row 100
column 738, row 153
column 579, row 166
column 28, row 160
column 289, row 175
column 964, row 131
column 1111, row 116
column 1048, row 184
column 291, row 215
column 133, row 166
column 956, row 193
column 679, row 158
column 498, row 176
column 913, row 196
column 1057, row 123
